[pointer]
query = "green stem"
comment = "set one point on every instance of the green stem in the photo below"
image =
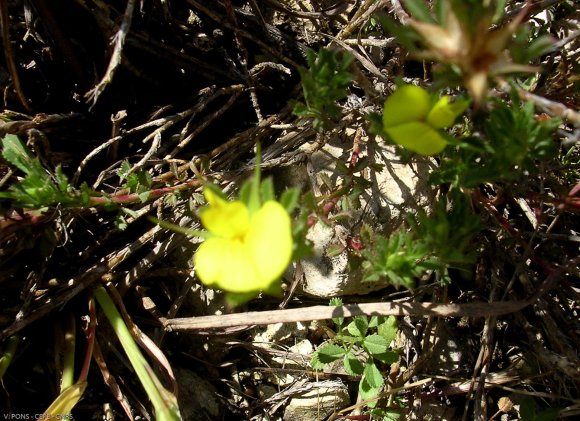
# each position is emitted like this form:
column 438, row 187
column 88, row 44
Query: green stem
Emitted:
column 141, row 366
column 68, row 368
column 6, row 359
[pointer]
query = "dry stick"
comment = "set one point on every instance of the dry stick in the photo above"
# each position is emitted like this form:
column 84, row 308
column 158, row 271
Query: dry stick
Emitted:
column 110, row 381
column 337, row 414
column 362, row 14
column 202, row 126
column 243, row 58
column 9, row 56
column 476, row 309
column 78, row 284
column 120, row 36
column 552, row 107
column 242, row 32
column 369, row 65
column 206, row 95
column 333, row 10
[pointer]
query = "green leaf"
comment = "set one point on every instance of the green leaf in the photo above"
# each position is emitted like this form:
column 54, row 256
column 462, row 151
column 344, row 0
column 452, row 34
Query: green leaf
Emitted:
column 540, row 46
column 315, row 362
column 527, row 409
column 267, row 190
column 358, row 327
column 386, row 414
column 124, row 169
column 375, row 344
column 7, row 353
column 419, row 10
column 440, row 8
column 388, row 329
column 388, row 357
column 144, row 196
column 254, row 202
column 289, row 199
column 372, row 375
column 164, row 402
column 329, row 353
column 17, row 154
column 336, row 302
column 352, row 365
column 366, row 391
column 375, row 321
column 404, row 34
column 324, row 83
column 66, row 401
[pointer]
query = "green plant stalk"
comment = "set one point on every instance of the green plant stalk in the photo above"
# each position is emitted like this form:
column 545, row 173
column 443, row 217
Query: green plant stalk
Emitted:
column 163, row 410
column 6, row 359
column 68, row 367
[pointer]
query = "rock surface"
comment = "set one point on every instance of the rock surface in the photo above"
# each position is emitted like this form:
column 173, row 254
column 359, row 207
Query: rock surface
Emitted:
column 394, row 190
column 318, row 402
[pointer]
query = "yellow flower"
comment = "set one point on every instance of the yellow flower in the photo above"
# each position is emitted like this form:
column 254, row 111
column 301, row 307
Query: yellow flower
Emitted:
column 411, row 120
column 246, row 252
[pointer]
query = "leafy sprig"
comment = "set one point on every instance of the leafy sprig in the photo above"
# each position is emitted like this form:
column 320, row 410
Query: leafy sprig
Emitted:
column 362, row 345
column 324, row 83
column 38, row 188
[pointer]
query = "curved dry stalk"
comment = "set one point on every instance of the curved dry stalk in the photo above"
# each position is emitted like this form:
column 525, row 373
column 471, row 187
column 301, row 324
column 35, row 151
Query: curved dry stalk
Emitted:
column 119, row 39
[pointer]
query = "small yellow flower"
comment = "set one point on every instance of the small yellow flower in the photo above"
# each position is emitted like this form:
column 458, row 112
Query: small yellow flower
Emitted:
column 246, row 252
column 412, row 121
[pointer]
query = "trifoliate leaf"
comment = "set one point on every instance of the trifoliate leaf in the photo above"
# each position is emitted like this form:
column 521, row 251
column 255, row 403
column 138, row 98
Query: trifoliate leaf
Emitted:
column 325, row 355
column 366, row 391
column 387, row 357
column 372, row 375
column 358, row 327
column 388, row 329
column 375, row 344
column 352, row 365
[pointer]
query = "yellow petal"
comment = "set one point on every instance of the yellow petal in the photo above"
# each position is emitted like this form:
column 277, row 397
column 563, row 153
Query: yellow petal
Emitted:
column 443, row 114
column 213, row 199
column 406, row 104
column 269, row 241
column 225, row 219
column 418, row 137
column 227, row 265
column 208, row 260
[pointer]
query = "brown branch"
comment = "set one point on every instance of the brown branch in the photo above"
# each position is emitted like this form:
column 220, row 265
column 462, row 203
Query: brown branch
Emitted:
column 478, row 309
column 119, row 41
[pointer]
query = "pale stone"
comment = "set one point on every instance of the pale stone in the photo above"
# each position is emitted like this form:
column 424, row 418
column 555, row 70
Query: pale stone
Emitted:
column 318, row 402
column 396, row 190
